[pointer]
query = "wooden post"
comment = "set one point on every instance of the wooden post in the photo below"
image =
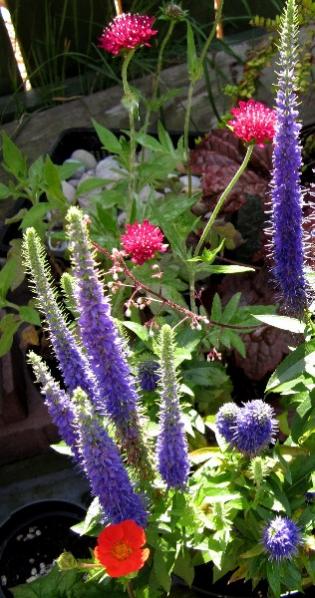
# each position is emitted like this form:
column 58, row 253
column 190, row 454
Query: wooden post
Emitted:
column 219, row 29
column 118, row 7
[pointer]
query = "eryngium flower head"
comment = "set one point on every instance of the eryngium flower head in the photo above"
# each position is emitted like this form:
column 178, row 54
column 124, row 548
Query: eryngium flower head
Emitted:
column 253, row 122
column 255, row 427
column 142, row 241
column 126, row 32
column 287, row 216
column 281, row 538
column 148, row 375
column 225, row 420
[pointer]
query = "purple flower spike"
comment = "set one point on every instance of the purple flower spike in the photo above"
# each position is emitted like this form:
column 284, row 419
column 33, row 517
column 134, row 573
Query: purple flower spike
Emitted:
column 281, row 538
column 172, row 449
column 104, row 468
column 73, row 364
column 287, row 232
column 225, row 420
column 255, row 427
column 105, row 349
column 148, row 375
column 58, row 403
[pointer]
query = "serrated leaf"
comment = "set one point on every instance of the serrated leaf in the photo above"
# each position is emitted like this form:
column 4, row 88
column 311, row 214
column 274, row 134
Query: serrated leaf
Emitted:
column 282, row 322
column 218, row 269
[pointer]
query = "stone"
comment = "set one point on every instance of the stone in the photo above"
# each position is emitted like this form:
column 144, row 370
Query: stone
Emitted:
column 86, row 158
column 68, row 191
column 110, row 169
column 195, row 182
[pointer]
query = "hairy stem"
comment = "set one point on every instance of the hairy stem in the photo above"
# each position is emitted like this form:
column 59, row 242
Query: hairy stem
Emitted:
column 131, row 107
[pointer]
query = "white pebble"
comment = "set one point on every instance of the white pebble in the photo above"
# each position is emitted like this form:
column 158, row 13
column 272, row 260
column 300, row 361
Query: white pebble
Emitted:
column 195, row 182
column 84, row 157
column 68, row 191
column 38, row 532
column 3, row 580
column 80, row 167
column 34, row 571
column 31, row 561
column 19, row 538
column 110, row 169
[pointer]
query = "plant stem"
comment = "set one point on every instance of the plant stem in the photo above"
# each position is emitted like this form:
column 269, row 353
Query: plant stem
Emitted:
column 156, row 81
column 130, row 591
column 222, row 199
column 193, row 82
column 131, row 107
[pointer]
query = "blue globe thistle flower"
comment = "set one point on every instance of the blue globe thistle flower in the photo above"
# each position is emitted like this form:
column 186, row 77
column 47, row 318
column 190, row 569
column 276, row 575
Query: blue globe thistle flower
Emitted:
column 225, row 420
column 255, row 427
column 281, row 538
column 148, row 375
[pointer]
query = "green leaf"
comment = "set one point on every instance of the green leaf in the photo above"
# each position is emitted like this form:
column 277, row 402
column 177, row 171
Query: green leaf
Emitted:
column 90, row 185
column 92, row 524
column 216, row 309
column 149, row 142
column 165, row 138
column 62, row 448
column 57, row 584
column 52, row 183
column 14, row 160
column 282, row 322
column 8, row 327
column 4, row 191
column 161, row 570
column 34, row 214
column 141, row 331
column 293, row 365
column 7, row 276
column 273, row 577
column 29, row 314
column 107, row 138
column 194, row 65
column 184, row 568
column 217, row 269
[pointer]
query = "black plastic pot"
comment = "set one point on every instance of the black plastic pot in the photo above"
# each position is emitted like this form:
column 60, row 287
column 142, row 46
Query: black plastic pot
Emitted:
column 35, row 534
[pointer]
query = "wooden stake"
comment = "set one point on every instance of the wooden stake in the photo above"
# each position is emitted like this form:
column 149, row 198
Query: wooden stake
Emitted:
column 219, row 29
column 118, row 7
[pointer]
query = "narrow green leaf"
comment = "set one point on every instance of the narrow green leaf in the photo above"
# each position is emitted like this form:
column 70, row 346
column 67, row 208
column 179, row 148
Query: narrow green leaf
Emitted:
column 282, row 322
column 293, row 365
column 107, row 138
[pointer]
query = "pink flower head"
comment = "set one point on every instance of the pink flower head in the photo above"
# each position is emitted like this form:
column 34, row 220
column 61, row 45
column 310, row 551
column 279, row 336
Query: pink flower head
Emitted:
column 142, row 240
column 253, row 122
column 126, row 32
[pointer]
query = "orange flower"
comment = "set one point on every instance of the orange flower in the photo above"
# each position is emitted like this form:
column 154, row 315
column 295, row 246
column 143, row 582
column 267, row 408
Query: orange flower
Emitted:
column 119, row 548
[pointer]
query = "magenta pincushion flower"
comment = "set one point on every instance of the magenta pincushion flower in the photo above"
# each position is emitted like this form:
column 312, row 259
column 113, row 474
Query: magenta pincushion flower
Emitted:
column 253, row 122
column 126, row 32
column 281, row 538
column 142, row 240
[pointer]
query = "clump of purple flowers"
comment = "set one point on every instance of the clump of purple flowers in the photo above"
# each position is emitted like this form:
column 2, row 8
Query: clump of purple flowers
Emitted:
column 226, row 419
column 148, row 375
column 249, row 428
column 281, row 538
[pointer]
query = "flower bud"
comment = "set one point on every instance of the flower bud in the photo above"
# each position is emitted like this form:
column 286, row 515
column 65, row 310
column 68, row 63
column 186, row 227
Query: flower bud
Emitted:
column 66, row 561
